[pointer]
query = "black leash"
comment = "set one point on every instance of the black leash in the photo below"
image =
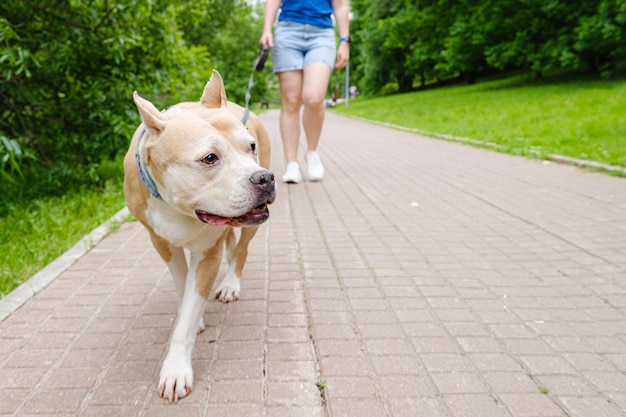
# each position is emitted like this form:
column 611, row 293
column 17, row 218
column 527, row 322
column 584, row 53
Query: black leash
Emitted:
column 258, row 66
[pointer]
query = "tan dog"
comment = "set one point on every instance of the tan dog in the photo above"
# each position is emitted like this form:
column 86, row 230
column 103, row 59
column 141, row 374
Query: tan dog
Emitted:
column 192, row 173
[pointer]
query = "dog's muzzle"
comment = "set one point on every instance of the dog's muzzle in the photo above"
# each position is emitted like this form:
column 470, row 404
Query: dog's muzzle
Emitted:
column 265, row 187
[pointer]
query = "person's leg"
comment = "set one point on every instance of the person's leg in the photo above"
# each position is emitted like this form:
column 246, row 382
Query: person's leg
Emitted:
column 315, row 85
column 291, row 101
column 316, row 77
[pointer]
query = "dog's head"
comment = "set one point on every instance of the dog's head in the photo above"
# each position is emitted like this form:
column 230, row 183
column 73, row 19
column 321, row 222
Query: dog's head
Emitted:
column 204, row 161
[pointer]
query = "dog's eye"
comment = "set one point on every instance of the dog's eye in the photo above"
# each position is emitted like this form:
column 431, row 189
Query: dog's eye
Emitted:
column 210, row 159
column 253, row 147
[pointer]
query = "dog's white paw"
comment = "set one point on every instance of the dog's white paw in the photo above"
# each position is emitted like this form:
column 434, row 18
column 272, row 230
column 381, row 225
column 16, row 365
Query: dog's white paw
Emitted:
column 176, row 379
column 229, row 289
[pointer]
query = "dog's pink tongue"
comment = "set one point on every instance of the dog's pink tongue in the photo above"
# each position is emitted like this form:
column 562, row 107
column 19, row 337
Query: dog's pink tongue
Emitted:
column 212, row 219
column 218, row 221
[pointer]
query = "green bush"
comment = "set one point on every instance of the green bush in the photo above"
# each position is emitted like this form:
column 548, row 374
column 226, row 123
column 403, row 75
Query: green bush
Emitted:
column 68, row 71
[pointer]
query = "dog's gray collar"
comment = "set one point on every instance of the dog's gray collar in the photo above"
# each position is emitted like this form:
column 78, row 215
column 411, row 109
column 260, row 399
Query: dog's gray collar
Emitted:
column 144, row 175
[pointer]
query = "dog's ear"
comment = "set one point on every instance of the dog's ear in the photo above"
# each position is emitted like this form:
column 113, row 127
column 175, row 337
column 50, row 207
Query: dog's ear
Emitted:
column 214, row 95
column 152, row 118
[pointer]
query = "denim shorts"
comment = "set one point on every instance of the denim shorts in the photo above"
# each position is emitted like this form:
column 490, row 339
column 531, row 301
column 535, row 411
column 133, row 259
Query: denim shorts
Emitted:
column 297, row 45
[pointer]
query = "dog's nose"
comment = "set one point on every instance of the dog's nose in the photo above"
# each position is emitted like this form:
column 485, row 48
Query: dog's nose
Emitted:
column 264, row 180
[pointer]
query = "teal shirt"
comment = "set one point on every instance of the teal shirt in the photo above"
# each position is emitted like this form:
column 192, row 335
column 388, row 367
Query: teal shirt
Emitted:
column 308, row 12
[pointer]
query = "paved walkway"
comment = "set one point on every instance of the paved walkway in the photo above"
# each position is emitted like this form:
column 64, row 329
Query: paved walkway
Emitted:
column 420, row 278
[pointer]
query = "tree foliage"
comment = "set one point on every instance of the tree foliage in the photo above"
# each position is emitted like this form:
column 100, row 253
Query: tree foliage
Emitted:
column 68, row 70
column 68, row 67
column 405, row 42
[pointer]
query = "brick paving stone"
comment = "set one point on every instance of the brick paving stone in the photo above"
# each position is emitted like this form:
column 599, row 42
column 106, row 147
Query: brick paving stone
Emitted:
column 510, row 382
column 363, row 407
column 169, row 411
column 545, row 365
column 566, row 385
column 491, row 362
column 589, row 406
column 11, row 400
column 458, row 382
column 446, row 362
column 421, row 278
column 434, row 345
column 290, row 411
column 110, row 411
column 619, row 400
column 290, row 370
column 349, row 387
column 470, row 405
column 589, row 362
column 16, row 378
column 405, row 386
column 113, row 393
column 236, row 391
column 607, row 382
column 618, row 360
column 531, row 405
column 293, row 394
column 72, row 378
column 344, row 366
column 233, row 410
column 56, row 401
column 417, row 407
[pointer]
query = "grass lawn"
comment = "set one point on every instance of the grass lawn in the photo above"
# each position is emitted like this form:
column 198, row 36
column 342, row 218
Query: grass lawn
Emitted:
column 34, row 234
column 580, row 118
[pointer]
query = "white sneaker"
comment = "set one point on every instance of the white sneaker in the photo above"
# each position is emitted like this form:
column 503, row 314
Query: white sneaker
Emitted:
column 292, row 173
column 315, row 169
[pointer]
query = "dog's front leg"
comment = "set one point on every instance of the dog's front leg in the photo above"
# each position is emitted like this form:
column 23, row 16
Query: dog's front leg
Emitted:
column 178, row 268
column 236, row 255
column 174, row 257
column 176, row 379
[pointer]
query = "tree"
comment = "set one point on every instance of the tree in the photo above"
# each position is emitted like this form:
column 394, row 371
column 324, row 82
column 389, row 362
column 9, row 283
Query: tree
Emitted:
column 464, row 40
column 401, row 40
column 383, row 57
column 69, row 70
column 230, row 31
column 600, row 37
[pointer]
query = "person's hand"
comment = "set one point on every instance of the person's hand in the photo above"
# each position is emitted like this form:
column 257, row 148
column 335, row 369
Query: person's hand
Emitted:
column 343, row 55
column 267, row 39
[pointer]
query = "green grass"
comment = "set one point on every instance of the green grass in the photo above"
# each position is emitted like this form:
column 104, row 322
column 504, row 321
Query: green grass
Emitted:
column 35, row 233
column 580, row 118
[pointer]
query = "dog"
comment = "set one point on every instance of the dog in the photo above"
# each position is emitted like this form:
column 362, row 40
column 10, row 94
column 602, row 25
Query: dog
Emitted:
column 193, row 175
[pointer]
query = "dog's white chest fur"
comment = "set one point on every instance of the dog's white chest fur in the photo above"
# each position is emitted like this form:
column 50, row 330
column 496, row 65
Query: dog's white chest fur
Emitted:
column 179, row 229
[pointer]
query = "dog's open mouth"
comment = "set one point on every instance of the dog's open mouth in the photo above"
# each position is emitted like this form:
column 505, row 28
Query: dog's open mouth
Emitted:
column 255, row 216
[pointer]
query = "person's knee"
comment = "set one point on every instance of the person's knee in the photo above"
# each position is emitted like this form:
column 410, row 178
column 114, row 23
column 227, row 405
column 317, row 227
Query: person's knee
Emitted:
column 313, row 101
column 291, row 104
